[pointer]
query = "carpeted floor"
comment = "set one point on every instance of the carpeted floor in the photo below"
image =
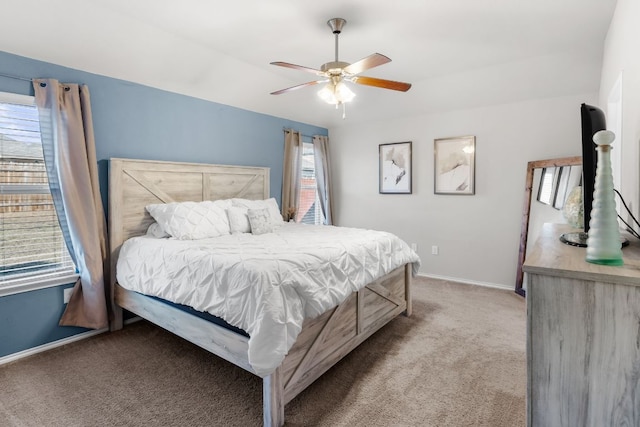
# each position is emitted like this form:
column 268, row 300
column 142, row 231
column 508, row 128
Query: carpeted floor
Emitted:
column 458, row 361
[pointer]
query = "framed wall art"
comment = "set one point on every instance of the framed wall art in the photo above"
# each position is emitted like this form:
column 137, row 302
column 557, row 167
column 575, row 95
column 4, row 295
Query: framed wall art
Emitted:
column 454, row 165
column 395, row 168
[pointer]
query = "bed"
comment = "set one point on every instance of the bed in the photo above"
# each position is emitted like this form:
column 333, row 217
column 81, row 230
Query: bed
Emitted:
column 321, row 342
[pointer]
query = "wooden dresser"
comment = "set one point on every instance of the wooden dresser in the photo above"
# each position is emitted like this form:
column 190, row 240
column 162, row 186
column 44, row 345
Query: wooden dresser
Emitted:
column 583, row 336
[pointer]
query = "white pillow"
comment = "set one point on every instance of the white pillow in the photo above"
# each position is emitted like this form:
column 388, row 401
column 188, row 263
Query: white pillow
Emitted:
column 156, row 231
column 191, row 220
column 222, row 203
column 270, row 204
column 238, row 220
column 274, row 211
column 260, row 221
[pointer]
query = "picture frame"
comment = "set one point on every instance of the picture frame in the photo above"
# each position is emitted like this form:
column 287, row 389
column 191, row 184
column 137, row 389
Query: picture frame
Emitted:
column 454, row 165
column 395, row 168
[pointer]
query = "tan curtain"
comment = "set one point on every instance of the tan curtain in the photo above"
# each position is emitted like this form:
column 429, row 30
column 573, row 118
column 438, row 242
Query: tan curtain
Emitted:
column 323, row 175
column 70, row 158
column 291, row 172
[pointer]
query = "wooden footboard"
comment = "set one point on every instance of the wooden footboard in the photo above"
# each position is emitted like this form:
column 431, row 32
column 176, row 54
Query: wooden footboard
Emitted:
column 326, row 339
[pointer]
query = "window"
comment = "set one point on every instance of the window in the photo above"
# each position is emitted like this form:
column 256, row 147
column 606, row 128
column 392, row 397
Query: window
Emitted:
column 32, row 248
column 309, row 210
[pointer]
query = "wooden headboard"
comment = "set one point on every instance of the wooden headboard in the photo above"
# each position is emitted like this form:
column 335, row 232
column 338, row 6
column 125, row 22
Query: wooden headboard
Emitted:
column 133, row 184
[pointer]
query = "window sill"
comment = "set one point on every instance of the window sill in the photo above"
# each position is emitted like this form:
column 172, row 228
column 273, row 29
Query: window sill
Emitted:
column 37, row 283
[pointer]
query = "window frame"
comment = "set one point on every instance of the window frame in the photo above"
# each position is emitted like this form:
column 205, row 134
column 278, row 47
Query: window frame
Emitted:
column 32, row 283
column 318, row 214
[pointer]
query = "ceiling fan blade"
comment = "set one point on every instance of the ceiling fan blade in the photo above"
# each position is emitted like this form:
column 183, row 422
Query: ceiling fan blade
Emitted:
column 298, row 67
column 367, row 63
column 385, row 84
column 300, row 86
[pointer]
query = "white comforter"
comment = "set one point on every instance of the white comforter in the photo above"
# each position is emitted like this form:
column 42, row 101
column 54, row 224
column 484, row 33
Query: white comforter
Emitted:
column 266, row 284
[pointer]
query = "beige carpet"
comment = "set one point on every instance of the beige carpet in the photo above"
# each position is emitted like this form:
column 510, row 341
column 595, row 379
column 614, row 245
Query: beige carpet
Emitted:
column 458, row 361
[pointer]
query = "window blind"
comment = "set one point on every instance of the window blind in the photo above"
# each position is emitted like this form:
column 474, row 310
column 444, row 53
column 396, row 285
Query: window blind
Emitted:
column 545, row 192
column 31, row 244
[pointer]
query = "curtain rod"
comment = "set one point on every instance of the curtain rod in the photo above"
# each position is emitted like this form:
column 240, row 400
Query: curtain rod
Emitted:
column 9, row 76
column 301, row 134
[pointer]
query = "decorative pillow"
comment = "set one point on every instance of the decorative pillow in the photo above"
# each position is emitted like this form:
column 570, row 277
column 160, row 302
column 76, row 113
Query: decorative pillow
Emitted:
column 260, row 220
column 191, row 220
column 156, row 231
column 270, row 204
column 238, row 220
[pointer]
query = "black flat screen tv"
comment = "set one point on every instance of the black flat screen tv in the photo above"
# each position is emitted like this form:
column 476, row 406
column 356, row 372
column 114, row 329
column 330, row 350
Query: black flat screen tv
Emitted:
column 592, row 120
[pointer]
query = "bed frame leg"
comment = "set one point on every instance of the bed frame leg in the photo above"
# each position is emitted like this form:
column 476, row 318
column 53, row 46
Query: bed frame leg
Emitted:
column 407, row 289
column 273, row 399
column 117, row 322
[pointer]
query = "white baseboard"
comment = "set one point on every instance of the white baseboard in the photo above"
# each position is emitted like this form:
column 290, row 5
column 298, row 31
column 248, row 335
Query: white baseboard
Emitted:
column 51, row 345
column 132, row 320
column 469, row 282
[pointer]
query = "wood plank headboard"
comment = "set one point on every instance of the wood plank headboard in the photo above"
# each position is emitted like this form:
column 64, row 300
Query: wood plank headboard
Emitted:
column 133, row 184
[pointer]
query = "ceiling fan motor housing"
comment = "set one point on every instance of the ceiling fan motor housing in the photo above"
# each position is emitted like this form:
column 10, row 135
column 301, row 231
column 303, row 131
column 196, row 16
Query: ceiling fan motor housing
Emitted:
column 334, row 68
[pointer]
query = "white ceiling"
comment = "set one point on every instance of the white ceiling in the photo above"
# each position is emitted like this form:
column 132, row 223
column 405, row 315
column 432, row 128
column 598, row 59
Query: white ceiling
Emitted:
column 456, row 53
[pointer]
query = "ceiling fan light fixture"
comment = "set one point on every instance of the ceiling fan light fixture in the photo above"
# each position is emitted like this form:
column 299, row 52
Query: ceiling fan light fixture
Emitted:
column 327, row 95
column 343, row 93
column 336, row 93
column 337, row 72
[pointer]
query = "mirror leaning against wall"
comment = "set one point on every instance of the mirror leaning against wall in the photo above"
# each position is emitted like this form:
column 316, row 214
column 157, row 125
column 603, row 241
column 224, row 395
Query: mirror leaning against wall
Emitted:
column 548, row 183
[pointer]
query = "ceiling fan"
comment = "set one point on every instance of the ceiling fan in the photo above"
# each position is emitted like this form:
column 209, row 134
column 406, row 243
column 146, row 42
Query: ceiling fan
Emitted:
column 336, row 73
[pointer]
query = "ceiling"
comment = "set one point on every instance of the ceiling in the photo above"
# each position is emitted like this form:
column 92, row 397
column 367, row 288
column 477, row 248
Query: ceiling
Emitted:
column 456, row 53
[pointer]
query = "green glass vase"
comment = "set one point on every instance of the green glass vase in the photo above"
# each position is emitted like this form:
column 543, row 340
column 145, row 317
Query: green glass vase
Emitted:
column 604, row 244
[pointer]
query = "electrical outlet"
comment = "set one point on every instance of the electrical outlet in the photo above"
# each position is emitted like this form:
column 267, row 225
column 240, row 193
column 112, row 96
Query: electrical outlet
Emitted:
column 414, row 247
column 66, row 296
column 434, row 250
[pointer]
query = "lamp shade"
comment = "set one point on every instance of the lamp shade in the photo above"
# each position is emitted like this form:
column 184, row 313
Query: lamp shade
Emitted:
column 343, row 93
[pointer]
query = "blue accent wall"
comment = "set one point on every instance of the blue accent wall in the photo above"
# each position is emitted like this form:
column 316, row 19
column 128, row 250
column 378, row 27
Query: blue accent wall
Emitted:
column 136, row 121
column 30, row 319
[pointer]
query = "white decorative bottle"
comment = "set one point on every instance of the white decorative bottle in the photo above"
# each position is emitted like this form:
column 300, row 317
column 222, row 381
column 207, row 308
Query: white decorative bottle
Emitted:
column 603, row 244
